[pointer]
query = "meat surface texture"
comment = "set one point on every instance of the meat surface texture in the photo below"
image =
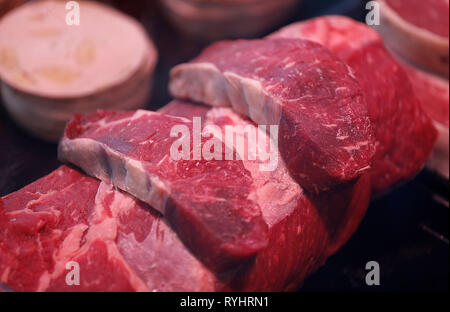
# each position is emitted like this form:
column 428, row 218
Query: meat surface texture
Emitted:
column 208, row 202
column 121, row 244
column 431, row 15
column 50, row 71
column 404, row 134
column 325, row 134
column 433, row 93
column 418, row 31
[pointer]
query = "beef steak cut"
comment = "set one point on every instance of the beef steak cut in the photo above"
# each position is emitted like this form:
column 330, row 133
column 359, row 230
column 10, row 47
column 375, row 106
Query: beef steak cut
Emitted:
column 209, row 203
column 418, row 31
column 325, row 135
column 404, row 134
column 433, row 93
column 119, row 243
column 143, row 253
column 304, row 229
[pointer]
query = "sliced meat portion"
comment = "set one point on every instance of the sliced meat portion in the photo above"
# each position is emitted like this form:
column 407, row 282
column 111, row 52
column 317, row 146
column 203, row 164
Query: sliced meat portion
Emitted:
column 404, row 134
column 432, row 91
column 8, row 5
column 325, row 134
column 50, row 70
column 417, row 30
column 212, row 20
column 303, row 232
column 275, row 191
column 118, row 242
column 431, row 15
column 209, row 203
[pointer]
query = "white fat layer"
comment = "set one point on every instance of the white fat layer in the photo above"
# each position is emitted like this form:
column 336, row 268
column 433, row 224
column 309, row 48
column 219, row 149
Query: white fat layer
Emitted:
column 126, row 173
column 211, row 84
column 212, row 87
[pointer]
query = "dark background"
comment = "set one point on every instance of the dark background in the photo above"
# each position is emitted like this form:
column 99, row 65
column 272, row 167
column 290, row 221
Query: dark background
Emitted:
column 405, row 232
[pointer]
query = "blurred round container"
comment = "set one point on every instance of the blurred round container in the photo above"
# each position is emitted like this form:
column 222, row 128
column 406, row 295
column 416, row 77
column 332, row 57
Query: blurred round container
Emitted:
column 221, row 19
column 51, row 70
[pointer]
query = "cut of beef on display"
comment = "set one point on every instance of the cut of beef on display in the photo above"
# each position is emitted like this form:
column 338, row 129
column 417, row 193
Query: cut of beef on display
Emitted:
column 51, row 70
column 164, row 214
column 432, row 91
column 275, row 191
column 430, row 15
column 325, row 134
column 119, row 243
column 67, row 216
column 418, row 31
column 404, row 134
column 301, row 226
column 210, row 204
column 220, row 19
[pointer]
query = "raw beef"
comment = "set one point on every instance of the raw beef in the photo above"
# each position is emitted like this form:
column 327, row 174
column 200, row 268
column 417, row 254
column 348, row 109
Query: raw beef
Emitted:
column 431, row 15
column 8, row 5
column 209, row 203
column 280, row 185
column 49, row 70
column 433, row 93
column 119, row 243
column 142, row 253
column 418, row 31
column 212, row 20
column 404, row 134
column 325, row 134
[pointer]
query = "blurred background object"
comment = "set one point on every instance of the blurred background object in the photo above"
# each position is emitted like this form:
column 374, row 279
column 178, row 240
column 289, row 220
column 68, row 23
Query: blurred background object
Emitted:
column 51, row 70
column 225, row 19
column 8, row 5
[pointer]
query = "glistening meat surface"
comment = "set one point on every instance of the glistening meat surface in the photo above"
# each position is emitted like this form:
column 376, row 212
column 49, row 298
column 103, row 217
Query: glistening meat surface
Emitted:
column 209, row 203
column 432, row 15
column 404, row 134
column 433, row 93
column 325, row 134
column 119, row 243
